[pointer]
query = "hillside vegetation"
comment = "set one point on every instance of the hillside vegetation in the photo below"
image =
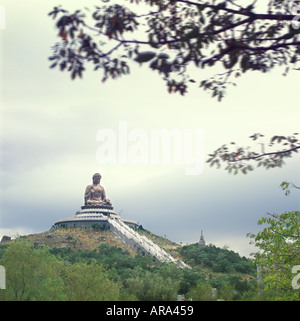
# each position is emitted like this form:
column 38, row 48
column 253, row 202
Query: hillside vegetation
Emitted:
column 216, row 259
column 87, row 264
column 78, row 239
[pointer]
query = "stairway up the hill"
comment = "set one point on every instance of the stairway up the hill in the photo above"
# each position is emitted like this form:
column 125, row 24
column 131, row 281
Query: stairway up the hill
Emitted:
column 141, row 242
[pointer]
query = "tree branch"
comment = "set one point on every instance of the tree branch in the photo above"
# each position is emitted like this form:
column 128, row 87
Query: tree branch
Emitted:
column 264, row 154
column 195, row 32
column 248, row 13
column 295, row 186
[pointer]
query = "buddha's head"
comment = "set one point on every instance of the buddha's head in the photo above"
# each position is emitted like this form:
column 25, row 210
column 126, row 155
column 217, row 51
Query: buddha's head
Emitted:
column 96, row 178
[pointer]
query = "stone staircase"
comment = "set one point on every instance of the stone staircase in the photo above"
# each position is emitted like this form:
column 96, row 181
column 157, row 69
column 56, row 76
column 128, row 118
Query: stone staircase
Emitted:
column 141, row 243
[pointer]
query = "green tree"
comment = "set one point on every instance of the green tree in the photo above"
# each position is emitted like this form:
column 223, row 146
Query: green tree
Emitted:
column 189, row 280
column 31, row 274
column 202, row 292
column 226, row 292
column 89, row 282
column 279, row 245
column 170, row 270
column 152, row 287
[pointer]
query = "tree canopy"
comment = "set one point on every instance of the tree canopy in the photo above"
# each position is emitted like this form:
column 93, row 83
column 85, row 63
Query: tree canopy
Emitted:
column 175, row 36
column 217, row 259
column 279, row 255
column 178, row 39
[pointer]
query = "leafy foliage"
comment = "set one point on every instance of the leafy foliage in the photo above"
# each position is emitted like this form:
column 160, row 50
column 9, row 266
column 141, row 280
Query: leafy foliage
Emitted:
column 153, row 287
column 285, row 187
column 217, row 259
column 88, row 282
column 238, row 158
column 202, row 292
column 31, row 274
column 226, row 273
column 173, row 36
column 279, row 245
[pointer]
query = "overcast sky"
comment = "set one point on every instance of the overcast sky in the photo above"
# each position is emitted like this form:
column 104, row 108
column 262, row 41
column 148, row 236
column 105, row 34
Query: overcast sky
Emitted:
column 49, row 145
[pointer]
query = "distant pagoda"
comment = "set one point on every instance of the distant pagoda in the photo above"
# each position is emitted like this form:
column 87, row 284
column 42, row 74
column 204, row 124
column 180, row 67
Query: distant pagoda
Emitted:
column 202, row 241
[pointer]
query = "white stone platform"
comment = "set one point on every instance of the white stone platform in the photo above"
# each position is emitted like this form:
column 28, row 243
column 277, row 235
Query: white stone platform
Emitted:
column 88, row 216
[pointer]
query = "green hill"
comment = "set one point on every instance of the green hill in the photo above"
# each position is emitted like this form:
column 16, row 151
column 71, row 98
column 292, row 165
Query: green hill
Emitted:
column 132, row 276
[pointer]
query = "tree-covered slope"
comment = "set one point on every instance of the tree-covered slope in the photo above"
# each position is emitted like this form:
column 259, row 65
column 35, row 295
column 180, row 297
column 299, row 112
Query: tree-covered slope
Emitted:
column 59, row 263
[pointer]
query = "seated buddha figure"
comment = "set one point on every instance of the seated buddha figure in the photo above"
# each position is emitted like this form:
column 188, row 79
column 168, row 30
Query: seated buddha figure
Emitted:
column 95, row 194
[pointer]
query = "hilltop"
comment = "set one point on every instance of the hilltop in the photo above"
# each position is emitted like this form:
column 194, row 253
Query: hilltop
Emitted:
column 88, row 239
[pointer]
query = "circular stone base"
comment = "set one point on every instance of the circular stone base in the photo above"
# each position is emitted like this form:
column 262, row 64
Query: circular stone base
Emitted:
column 96, row 210
column 95, row 206
column 88, row 217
